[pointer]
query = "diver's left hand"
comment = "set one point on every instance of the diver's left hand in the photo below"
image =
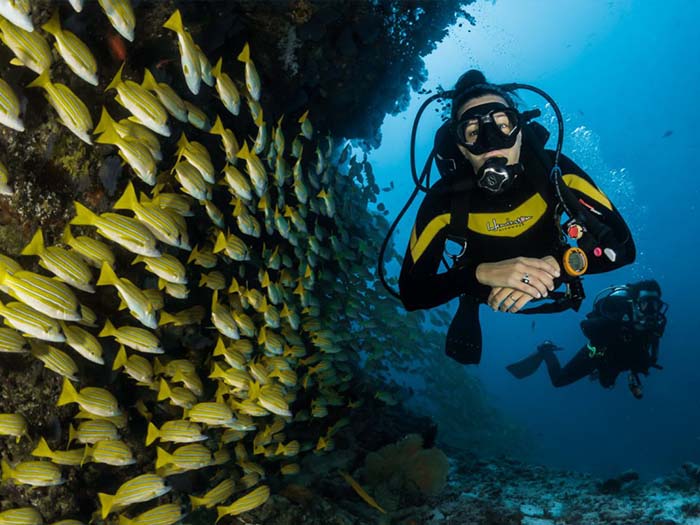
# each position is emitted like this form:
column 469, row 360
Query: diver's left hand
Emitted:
column 508, row 299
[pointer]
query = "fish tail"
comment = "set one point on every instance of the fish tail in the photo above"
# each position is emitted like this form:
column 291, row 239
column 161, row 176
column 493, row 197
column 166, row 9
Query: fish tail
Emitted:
column 197, row 502
column 214, row 298
column 67, row 237
column 174, row 22
column 152, row 434
column 218, row 127
column 219, row 348
column 138, row 259
column 116, row 80
column 161, row 284
column 262, row 336
column 245, row 54
column 164, row 390
column 108, row 329
column 166, row 318
column 216, row 372
column 216, row 72
column 83, row 216
column 72, row 434
column 149, row 82
column 220, row 243
column 259, row 119
column 53, row 26
column 7, row 472
column 36, row 245
column 303, row 118
column 203, row 280
column 128, row 200
column 86, row 454
column 244, row 152
column 106, row 122
column 68, row 393
column 120, row 359
column 107, row 276
column 42, row 450
column 123, row 520
column 266, row 280
column 106, row 501
column 158, row 368
column 162, row 458
column 41, row 81
column 193, row 255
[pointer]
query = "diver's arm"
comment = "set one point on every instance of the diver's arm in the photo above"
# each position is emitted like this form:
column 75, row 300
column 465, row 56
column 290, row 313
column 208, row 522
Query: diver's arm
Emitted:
column 597, row 207
column 420, row 284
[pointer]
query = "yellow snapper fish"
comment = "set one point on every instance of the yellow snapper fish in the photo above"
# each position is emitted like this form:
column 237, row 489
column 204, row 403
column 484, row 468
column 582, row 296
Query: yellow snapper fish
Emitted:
column 205, row 69
column 233, row 246
column 110, row 452
column 134, row 152
column 188, row 316
column 250, row 501
column 189, row 457
column 214, row 213
column 255, row 168
column 12, row 342
column 94, row 252
column 14, row 425
column 74, row 52
column 192, row 182
column 17, row 12
column 138, row 304
column 72, row 112
column 237, row 182
column 67, row 266
column 175, row 431
column 216, row 495
column 95, row 400
column 164, row 225
column 43, row 294
column 197, row 155
column 137, row 367
column 9, row 107
column 171, row 101
column 227, row 90
column 188, row 52
column 21, row 516
column 197, row 117
column 166, row 267
column 175, row 202
column 306, row 128
column 125, row 231
column 144, row 106
column 204, row 257
column 228, row 140
column 222, row 318
column 83, row 342
column 121, row 16
column 213, row 280
column 55, row 359
column 178, row 291
column 178, row 396
column 136, row 132
column 30, row 48
column 210, row 413
column 261, row 138
column 60, row 457
column 93, row 430
column 165, row 514
column 141, row 488
column 252, row 80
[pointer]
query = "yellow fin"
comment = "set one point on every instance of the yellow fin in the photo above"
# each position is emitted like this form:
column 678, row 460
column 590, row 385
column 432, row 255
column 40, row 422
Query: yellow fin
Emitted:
column 68, row 393
column 53, row 26
column 107, row 276
column 152, row 434
column 36, row 245
column 116, row 80
column 244, row 56
column 128, row 200
column 120, row 359
column 174, row 22
column 361, row 492
column 216, row 72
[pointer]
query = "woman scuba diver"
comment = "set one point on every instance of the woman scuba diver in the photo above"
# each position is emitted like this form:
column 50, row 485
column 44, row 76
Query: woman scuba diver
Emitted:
column 501, row 199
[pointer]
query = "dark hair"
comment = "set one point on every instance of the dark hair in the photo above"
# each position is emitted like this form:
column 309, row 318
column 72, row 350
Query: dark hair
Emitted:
column 473, row 84
column 648, row 285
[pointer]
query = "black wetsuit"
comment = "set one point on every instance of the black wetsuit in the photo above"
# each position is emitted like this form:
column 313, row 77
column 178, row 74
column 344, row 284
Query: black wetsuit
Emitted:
column 518, row 222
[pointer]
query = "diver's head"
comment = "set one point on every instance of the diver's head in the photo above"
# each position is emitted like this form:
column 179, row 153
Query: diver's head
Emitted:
column 487, row 129
column 649, row 309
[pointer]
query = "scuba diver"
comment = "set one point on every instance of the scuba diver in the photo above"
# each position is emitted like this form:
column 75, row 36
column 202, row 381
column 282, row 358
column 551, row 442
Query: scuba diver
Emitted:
column 623, row 333
column 497, row 211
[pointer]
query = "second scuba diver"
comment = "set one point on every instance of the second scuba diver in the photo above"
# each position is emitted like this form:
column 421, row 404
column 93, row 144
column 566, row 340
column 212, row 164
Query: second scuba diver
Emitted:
column 623, row 333
column 501, row 199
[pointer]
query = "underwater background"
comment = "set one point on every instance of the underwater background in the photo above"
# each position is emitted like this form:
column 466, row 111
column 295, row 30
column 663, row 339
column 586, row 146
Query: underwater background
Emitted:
column 241, row 162
column 622, row 72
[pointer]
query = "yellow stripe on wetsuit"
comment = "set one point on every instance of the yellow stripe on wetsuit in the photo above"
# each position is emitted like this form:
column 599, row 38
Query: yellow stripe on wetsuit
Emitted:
column 581, row 185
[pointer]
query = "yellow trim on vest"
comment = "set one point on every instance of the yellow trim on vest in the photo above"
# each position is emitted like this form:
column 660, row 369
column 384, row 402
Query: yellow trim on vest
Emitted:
column 583, row 186
column 420, row 244
column 511, row 223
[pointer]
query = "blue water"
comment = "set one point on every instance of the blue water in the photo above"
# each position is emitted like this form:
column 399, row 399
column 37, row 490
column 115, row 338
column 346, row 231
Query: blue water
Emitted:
column 624, row 74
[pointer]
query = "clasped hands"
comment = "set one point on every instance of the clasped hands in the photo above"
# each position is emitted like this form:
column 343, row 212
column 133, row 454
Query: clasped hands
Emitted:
column 515, row 282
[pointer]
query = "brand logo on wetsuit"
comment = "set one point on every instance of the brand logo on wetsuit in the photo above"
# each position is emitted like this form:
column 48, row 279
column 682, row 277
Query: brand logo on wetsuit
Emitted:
column 494, row 225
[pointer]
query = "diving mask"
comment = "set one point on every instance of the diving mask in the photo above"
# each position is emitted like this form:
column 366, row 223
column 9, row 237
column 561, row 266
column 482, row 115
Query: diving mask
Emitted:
column 488, row 127
column 650, row 310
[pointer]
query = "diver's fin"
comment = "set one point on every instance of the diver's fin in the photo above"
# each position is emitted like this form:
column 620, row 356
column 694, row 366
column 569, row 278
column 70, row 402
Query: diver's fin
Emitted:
column 463, row 341
column 526, row 367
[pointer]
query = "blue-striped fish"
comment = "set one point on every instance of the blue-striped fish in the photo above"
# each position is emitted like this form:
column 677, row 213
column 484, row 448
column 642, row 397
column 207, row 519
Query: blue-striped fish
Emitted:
column 14, row 425
column 233, row 246
column 189, row 457
column 28, row 321
column 214, row 414
column 72, row 112
column 178, row 291
column 121, row 16
column 30, row 47
column 136, row 366
column 229, row 143
column 237, row 182
column 252, row 79
column 165, row 514
column 166, row 267
column 12, row 342
column 93, row 251
column 9, row 108
column 188, row 52
column 186, row 317
column 175, row 431
column 110, row 452
column 178, row 396
column 141, row 488
column 255, row 169
column 216, row 495
column 192, row 182
column 55, row 359
column 17, row 12
column 60, row 457
column 21, row 516
column 33, row 473
column 213, row 280
column 204, row 257
column 250, row 501
column 139, row 305
column 171, row 101
column 125, row 231
column 222, row 318
column 197, row 155
column 133, row 337
column 175, row 202
column 144, row 106
column 73, row 50
column 95, row 400
column 69, row 267
column 93, row 430
column 227, row 90
column 45, row 295
column 83, row 342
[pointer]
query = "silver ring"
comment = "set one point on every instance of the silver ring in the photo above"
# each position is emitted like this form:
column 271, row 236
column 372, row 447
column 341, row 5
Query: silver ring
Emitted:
column 526, row 279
